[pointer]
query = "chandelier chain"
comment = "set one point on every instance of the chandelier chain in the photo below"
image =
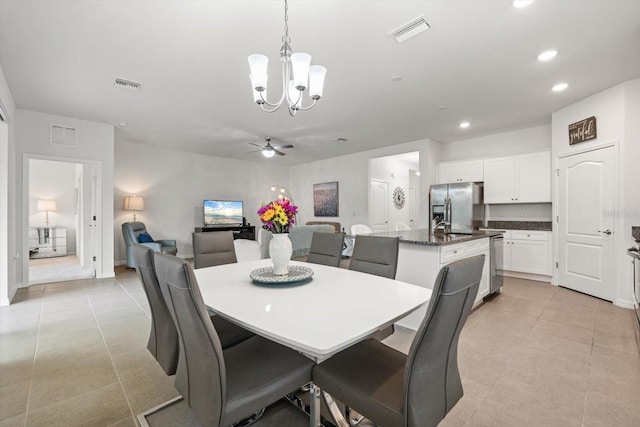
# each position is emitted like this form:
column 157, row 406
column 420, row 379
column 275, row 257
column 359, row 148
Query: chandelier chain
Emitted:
column 285, row 38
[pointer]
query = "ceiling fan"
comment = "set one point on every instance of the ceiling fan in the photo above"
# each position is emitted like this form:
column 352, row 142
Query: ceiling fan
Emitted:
column 270, row 150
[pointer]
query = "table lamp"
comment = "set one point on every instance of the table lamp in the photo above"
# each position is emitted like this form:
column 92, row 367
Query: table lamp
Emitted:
column 133, row 203
column 46, row 206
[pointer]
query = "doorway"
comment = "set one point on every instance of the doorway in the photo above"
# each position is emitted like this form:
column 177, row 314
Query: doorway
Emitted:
column 60, row 206
column 587, row 189
column 394, row 192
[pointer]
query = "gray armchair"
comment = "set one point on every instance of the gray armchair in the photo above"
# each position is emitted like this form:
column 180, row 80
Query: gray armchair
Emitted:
column 131, row 231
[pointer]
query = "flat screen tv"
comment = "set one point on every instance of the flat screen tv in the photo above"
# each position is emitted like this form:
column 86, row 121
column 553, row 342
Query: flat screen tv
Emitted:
column 222, row 212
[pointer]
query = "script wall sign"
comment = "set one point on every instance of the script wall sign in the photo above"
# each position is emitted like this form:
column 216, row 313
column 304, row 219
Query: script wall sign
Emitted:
column 583, row 130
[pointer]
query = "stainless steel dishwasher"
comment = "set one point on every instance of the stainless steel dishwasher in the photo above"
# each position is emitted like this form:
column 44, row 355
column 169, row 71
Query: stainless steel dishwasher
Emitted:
column 497, row 259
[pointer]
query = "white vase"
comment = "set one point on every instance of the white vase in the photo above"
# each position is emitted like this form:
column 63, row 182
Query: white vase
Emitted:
column 280, row 250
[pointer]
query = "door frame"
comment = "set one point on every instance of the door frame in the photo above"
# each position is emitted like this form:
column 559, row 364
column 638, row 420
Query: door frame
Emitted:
column 615, row 208
column 26, row 185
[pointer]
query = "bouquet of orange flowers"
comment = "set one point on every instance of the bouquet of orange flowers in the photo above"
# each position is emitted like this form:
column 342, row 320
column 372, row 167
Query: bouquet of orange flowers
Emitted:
column 278, row 216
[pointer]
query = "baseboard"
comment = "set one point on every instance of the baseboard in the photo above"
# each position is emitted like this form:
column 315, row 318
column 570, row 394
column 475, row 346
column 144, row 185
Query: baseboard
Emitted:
column 624, row 303
column 7, row 301
column 528, row 276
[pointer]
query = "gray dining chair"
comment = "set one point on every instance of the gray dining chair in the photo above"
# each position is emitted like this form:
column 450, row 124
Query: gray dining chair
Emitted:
column 375, row 255
column 213, row 248
column 222, row 386
column 326, row 249
column 415, row 390
column 163, row 339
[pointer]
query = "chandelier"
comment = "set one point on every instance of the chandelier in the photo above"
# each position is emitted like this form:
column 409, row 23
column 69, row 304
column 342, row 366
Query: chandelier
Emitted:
column 297, row 75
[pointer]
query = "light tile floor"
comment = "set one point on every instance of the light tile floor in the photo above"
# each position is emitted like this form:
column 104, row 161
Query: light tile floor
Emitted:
column 74, row 354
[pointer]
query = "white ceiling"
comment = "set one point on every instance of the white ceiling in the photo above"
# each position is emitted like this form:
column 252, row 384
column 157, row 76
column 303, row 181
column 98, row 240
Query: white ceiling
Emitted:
column 476, row 63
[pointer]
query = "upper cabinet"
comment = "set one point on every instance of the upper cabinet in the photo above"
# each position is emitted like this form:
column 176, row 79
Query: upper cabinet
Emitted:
column 466, row 171
column 518, row 179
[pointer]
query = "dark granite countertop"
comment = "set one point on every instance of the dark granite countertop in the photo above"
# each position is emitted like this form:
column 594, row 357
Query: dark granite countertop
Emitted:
column 424, row 237
column 520, row 225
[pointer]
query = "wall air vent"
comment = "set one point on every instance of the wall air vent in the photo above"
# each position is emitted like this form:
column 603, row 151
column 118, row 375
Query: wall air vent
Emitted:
column 63, row 135
column 127, row 84
column 410, row 29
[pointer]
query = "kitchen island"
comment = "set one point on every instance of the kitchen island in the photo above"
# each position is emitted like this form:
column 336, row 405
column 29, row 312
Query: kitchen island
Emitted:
column 422, row 254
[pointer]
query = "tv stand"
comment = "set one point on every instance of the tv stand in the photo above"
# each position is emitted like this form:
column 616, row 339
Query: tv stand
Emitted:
column 239, row 231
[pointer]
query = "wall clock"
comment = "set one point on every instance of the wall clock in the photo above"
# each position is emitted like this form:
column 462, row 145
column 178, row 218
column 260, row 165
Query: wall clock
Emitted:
column 398, row 198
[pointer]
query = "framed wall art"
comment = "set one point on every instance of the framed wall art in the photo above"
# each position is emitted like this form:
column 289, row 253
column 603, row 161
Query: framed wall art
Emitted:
column 325, row 199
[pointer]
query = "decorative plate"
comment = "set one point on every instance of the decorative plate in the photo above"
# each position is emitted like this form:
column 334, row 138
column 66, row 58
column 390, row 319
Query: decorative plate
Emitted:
column 398, row 198
column 297, row 273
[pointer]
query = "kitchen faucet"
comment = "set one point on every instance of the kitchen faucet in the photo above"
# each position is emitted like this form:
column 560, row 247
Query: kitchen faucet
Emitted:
column 443, row 222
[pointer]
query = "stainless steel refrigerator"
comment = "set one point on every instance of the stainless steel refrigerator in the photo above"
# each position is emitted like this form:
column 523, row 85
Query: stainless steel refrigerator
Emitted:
column 458, row 207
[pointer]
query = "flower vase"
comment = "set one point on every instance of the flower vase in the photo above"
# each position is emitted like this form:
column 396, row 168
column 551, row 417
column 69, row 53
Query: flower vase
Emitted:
column 280, row 250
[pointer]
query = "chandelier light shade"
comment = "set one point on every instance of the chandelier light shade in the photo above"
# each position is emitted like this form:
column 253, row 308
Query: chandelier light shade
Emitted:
column 46, row 206
column 298, row 76
column 133, row 203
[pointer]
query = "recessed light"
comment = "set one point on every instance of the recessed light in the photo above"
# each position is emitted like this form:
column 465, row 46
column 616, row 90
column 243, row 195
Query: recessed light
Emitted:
column 547, row 55
column 464, row 125
column 560, row 87
column 123, row 124
column 521, row 3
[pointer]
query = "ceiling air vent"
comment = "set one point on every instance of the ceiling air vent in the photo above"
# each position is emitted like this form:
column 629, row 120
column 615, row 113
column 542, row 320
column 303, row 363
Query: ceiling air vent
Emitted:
column 63, row 135
column 410, row 29
column 127, row 84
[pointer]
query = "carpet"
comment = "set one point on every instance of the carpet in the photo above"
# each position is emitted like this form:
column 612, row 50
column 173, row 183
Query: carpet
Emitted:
column 58, row 269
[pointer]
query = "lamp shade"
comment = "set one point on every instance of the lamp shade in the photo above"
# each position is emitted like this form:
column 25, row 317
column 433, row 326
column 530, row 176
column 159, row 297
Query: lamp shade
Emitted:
column 133, row 203
column 317, row 74
column 46, row 205
column 300, row 63
column 258, row 66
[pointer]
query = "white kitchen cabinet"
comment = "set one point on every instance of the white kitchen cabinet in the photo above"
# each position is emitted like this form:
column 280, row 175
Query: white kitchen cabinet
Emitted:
column 518, row 179
column 420, row 265
column 466, row 171
column 529, row 252
column 451, row 253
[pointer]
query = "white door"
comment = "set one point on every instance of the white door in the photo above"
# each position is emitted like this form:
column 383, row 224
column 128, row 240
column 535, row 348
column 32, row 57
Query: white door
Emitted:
column 379, row 206
column 586, row 250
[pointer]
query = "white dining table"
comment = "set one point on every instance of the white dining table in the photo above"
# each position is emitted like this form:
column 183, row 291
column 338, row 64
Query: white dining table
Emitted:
column 319, row 317
column 333, row 310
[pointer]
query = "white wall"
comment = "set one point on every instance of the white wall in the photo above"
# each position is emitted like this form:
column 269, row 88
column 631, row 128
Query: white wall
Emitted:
column 174, row 184
column 617, row 110
column 511, row 143
column 396, row 173
column 8, row 250
column 352, row 173
column 94, row 149
column 54, row 181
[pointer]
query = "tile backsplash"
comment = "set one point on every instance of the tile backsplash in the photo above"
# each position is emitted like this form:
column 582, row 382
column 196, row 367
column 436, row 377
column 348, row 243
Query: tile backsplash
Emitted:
column 519, row 212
